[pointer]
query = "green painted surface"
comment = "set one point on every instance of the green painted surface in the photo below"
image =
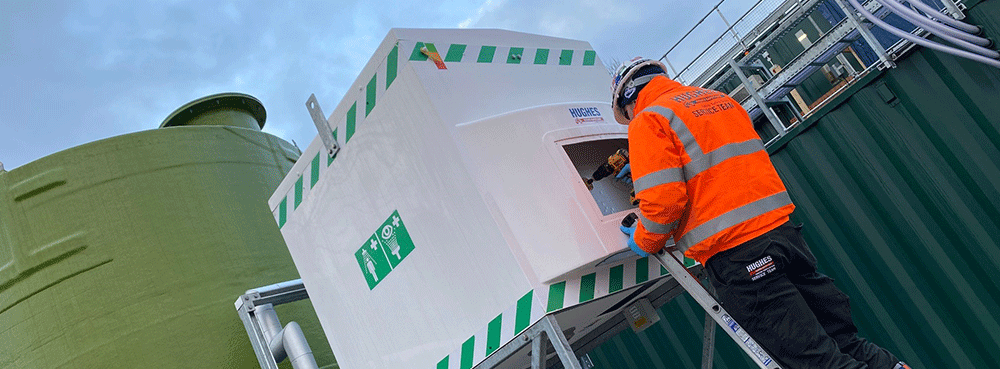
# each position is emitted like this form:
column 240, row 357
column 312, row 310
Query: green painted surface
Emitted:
column 493, row 334
column 523, row 313
column 566, row 57
column 130, row 251
column 370, row 92
column 352, row 122
column 391, row 65
column 898, row 185
column 515, row 55
column 298, row 192
column 642, row 270
column 283, row 212
column 587, row 285
column 443, row 364
column 556, row 294
column 615, row 278
column 486, row 54
column 455, row 53
column 468, row 351
column 314, row 171
column 541, row 56
column 589, row 57
column 416, row 55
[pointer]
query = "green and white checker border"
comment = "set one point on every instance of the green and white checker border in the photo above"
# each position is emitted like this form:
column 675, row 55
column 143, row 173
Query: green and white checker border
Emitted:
column 514, row 55
column 601, row 282
column 363, row 99
column 604, row 281
column 500, row 330
column 306, row 180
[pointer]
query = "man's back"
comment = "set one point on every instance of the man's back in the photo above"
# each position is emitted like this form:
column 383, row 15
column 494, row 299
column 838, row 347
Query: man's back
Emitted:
column 733, row 192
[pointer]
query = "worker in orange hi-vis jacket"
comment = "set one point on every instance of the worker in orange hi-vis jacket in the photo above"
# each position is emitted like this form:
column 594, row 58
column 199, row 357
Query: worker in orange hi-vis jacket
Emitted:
column 703, row 178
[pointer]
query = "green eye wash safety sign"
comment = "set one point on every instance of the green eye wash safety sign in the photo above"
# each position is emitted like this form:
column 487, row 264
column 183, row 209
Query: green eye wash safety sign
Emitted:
column 384, row 250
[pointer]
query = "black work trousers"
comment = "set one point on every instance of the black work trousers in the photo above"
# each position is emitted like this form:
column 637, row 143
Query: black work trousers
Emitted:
column 771, row 288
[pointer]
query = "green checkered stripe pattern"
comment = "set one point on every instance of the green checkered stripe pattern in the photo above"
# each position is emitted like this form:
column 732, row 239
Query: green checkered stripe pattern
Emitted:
column 605, row 281
column 601, row 282
column 502, row 329
column 305, row 181
column 462, row 53
column 362, row 104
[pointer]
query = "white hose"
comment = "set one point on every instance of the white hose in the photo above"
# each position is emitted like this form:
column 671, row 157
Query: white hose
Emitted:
column 921, row 41
column 936, row 24
column 944, row 18
column 966, row 41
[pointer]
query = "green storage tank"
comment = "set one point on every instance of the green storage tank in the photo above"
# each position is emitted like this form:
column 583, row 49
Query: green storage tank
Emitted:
column 129, row 251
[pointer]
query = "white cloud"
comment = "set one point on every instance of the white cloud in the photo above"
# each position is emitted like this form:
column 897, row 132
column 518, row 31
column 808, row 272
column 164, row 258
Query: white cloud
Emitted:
column 487, row 7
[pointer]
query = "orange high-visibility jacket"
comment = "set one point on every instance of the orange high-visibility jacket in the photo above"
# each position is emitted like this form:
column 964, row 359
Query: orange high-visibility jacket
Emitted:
column 700, row 171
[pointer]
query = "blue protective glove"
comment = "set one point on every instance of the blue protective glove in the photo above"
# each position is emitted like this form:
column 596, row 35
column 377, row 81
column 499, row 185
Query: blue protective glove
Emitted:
column 630, row 231
column 625, row 175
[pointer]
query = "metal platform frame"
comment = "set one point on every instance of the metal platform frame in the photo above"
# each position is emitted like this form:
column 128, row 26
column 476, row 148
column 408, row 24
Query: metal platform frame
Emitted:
column 265, row 297
column 743, row 59
column 775, row 90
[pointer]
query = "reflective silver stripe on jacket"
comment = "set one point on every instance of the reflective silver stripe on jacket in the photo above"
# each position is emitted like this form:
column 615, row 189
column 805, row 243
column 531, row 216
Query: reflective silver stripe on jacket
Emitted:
column 700, row 162
column 657, row 178
column 732, row 218
column 654, row 227
column 721, row 154
column 681, row 129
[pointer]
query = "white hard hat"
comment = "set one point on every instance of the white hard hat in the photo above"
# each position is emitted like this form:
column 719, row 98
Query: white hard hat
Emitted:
column 623, row 86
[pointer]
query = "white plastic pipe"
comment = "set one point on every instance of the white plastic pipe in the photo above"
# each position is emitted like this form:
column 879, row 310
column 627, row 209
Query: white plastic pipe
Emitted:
column 921, row 41
column 967, row 35
column 944, row 18
column 966, row 41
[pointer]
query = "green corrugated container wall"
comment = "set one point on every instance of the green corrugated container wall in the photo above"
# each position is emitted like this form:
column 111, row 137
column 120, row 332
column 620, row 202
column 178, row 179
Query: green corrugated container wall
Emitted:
column 130, row 251
column 898, row 184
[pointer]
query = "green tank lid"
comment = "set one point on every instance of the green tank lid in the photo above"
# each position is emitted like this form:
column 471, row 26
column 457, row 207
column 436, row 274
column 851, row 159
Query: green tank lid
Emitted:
column 225, row 109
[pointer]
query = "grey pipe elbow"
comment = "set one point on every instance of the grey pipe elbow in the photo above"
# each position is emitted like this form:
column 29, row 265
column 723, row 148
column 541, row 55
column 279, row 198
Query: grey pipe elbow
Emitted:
column 285, row 343
column 297, row 348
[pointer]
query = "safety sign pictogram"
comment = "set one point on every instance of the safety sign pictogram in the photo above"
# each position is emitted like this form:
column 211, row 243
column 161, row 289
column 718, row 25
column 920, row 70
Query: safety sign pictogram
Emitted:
column 384, row 250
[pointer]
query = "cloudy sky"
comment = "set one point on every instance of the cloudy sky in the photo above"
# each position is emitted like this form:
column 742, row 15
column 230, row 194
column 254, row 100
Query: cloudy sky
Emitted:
column 73, row 72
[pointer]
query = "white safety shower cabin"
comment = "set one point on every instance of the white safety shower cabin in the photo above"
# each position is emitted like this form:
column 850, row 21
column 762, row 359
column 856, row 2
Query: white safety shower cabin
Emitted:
column 454, row 216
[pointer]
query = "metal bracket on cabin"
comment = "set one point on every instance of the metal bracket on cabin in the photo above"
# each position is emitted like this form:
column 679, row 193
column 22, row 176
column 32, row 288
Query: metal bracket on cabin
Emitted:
column 319, row 119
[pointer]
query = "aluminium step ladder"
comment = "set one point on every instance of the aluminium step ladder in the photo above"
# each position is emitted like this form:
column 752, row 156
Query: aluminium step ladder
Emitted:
column 671, row 258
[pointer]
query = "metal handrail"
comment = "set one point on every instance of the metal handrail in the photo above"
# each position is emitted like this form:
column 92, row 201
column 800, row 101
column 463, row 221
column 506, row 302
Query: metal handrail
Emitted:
column 733, row 29
column 717, row 39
